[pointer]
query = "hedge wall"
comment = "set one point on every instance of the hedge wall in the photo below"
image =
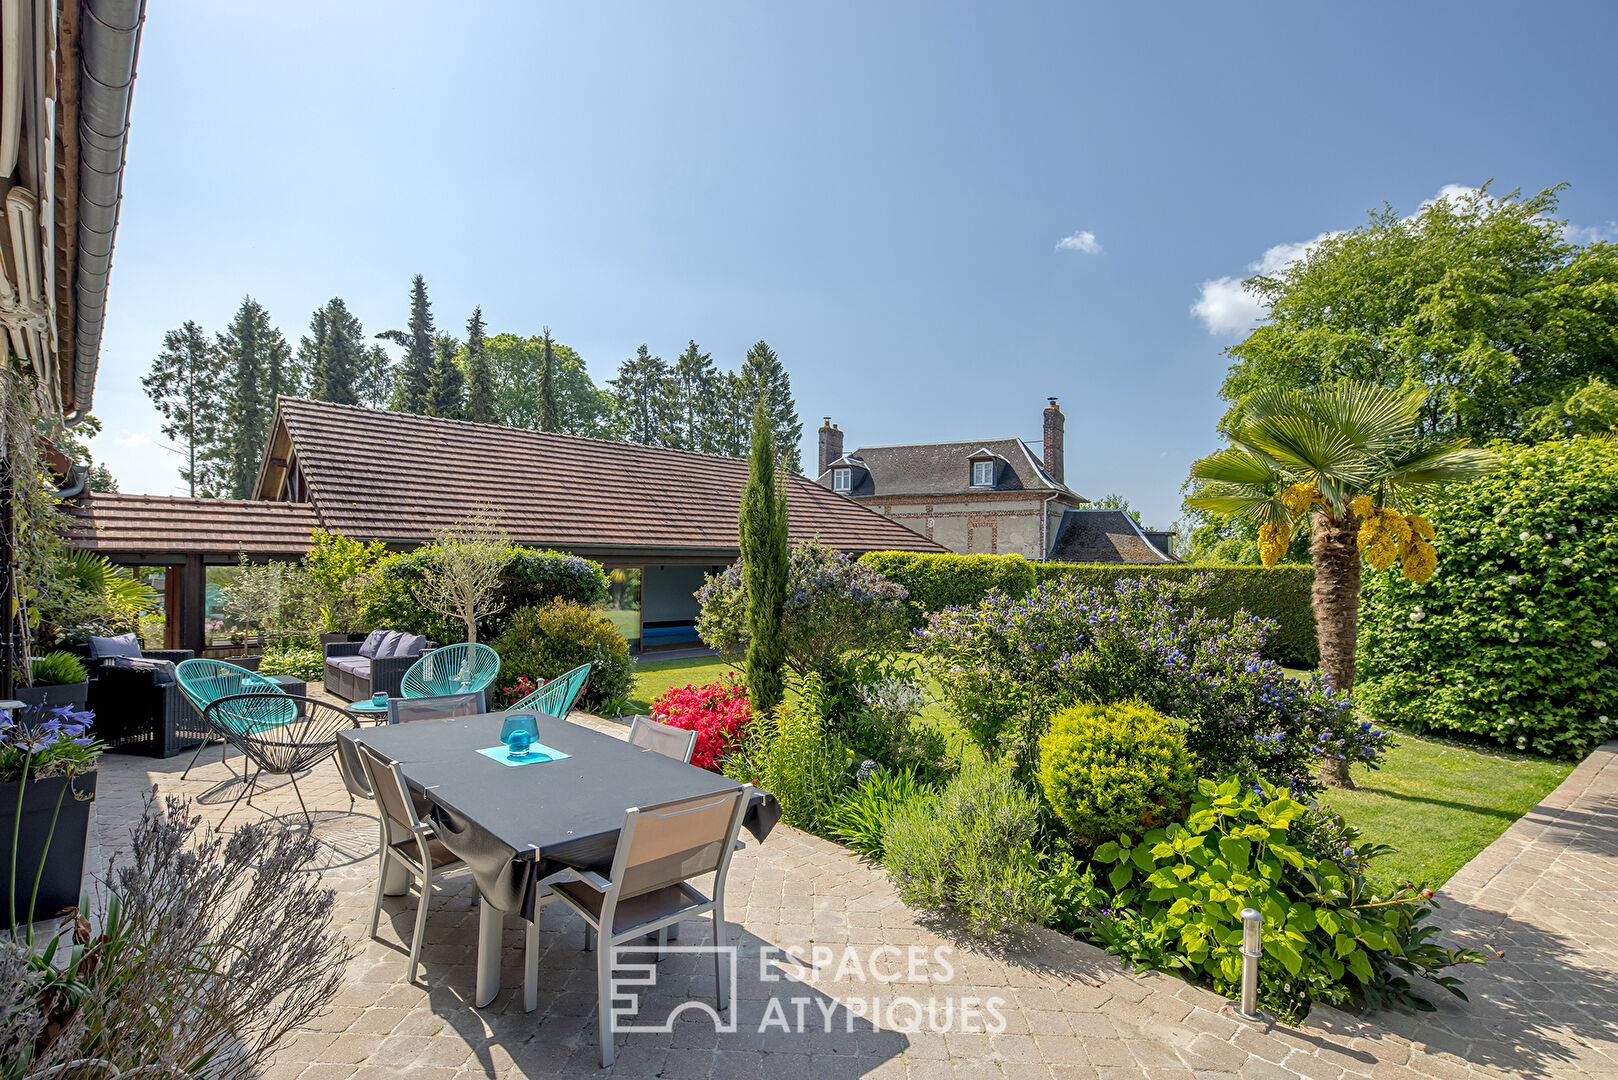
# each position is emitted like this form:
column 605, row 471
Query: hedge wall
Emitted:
column 1512, row 640
column 936, row 582
column 1280, row 594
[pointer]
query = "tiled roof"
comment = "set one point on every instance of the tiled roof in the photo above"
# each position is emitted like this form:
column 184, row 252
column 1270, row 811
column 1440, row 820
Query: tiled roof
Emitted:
column 399, row 477
column 170, row 524
column 1103, row 536
column 944, row 468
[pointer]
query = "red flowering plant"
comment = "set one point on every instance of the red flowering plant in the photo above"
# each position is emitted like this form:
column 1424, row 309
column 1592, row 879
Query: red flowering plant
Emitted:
column 509, row 696
column 718, row 712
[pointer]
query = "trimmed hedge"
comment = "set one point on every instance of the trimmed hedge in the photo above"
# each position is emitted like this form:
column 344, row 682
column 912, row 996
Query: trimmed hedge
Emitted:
column 1512, row 640
column 1280, row 594
column 936, row 582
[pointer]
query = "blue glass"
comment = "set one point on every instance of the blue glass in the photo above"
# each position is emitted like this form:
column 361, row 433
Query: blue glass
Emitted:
column 519, row 742
column 379, row 699
column 525, row 721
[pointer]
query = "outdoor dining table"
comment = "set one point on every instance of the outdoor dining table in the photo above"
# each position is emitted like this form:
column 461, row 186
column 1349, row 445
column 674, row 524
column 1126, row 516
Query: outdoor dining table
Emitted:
column 514, row 825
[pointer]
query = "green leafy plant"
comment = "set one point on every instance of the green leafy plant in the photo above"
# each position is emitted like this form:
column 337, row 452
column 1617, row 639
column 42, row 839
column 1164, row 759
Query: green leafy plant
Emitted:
column 542, row 642
column 1112, row 769
column 861, row 818
column 1323, row 923
column 303, row 663
column 968, row 851
column 339, row 568
column 936, row 582
column 793, row 754
column 59, row 668
column 1513, row 640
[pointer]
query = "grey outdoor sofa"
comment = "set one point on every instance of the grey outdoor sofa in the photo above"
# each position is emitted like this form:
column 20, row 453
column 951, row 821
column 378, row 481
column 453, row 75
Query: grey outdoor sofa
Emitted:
column 358, row 669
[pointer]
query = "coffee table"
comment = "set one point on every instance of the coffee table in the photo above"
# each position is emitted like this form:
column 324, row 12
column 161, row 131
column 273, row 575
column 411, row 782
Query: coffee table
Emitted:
column 366, row 709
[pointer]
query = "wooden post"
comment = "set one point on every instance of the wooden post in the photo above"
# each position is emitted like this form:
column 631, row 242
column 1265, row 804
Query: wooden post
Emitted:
column 171, row 607
column 193, row 604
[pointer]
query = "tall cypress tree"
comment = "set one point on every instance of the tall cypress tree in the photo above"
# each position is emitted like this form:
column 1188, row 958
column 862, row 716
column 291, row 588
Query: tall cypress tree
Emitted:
column 335, row 354
column 479, row 372
column 550, row 416
column 414, row 381
column 445, row 393
column 697, row 382
column 764, row 379
column 185, row 386
column 257, row 366
column 762, row 531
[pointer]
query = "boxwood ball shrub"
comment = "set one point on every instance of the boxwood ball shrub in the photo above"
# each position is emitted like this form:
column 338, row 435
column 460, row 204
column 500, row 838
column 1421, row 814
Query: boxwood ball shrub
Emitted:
column 936, row 582
column 540, row 643
column 1512, row 639
column 1108, row 770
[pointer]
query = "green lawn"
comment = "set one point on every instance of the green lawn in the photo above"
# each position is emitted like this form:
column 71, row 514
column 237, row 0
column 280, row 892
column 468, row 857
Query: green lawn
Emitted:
column 1438, row 803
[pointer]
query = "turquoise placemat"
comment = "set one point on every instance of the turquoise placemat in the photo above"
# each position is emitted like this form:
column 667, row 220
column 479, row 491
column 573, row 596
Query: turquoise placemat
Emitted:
column 536, row 752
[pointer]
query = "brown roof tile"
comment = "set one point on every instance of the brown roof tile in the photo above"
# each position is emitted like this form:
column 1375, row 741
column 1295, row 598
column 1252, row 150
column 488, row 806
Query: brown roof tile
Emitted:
column 165, row 524
column 401, row 478
column 944, row 468
column 1103, row 536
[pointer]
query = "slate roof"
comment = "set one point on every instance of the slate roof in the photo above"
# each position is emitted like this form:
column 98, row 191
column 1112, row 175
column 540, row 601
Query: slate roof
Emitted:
column 169, row 524
column 1104, row 536
column 944, row 469
column 400, row 478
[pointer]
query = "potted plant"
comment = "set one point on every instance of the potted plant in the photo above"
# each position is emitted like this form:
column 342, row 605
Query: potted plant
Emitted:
column 47, row 782
column 59, row 678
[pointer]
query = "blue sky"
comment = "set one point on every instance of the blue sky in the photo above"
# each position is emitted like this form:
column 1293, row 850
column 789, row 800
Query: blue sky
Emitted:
column 881, row 191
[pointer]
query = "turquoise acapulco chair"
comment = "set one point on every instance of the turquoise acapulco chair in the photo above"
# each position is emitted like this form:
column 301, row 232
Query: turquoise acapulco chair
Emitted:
column 556, row 697
column 452, row 669
column 204, row 682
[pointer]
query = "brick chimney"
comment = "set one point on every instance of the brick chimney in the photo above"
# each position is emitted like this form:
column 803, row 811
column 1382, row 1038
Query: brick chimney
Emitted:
column 831, row 444
column 1054, row 423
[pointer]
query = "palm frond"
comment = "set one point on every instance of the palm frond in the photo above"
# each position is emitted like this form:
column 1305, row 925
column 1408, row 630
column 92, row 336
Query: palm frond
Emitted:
column 1370, row 416
column 1238, row 466
column 1238, row 500
column 1441, row 465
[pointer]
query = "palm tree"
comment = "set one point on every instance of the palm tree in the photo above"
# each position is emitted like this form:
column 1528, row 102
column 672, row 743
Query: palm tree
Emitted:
column 1342, row 456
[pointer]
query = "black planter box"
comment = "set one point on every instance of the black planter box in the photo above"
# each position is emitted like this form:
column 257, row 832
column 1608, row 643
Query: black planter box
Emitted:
column 63, row 860
column 74, row 694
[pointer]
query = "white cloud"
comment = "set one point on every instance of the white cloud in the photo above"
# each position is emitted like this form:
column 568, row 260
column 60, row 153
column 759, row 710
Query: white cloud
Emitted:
column 1590, row 234
column 1225, row 307
column 1083, row 242
column 139, row 438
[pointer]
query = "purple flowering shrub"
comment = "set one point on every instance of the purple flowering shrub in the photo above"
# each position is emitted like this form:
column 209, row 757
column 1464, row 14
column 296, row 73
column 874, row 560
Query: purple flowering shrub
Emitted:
column 1005, row 666
column 42, row 740
column 837, row 610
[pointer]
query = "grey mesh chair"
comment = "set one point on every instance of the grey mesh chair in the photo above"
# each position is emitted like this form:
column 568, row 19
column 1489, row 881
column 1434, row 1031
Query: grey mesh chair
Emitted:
column 352, row 771
column 421, row 852
column 665, row 739
column 660, row 849
column 404, row 710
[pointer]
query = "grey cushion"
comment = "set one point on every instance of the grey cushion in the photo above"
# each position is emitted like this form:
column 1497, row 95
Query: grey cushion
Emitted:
column 410, row 645
column 161, row 671
column 122, row 645
column 354, row 665
column 373, row 642
column 389, row 646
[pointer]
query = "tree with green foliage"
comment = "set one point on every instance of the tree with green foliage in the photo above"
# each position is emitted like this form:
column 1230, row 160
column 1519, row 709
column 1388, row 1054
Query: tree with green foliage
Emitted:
column 257, row 366
column 644, row 407
column 100, row 479
column 1341, row 459
column 518, row 364
column 1480, row 299
column 732, row 417
column 766, row 563
column 764, row 379
column 184, row 384
column 335, row 354
column 446, row 392
column 550, row 415
column 479, row 374
column 696, row 383
column 414, row 381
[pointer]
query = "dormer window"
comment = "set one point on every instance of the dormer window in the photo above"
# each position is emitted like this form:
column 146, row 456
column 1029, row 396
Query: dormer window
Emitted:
column 982, row 474
column 842, row 480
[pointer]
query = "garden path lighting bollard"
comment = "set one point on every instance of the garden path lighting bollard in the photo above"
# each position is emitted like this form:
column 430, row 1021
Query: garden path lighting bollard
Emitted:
column 1252, row 949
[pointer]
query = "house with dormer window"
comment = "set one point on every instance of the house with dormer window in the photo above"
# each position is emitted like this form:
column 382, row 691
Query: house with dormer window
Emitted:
column 993, row 497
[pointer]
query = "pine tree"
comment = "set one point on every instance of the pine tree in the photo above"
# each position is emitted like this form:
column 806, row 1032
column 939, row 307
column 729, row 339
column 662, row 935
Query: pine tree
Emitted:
column 479, row 373
column 375, row 385
column 732, row 418
column 185, row 387
column 257, row 366
column 550, row 417
column 414, row 381
column 446, row 391
column 762, row 534
column 100, row 479
column 643, row 400
column 335, row 354
column 764, row 378
column 696, row 384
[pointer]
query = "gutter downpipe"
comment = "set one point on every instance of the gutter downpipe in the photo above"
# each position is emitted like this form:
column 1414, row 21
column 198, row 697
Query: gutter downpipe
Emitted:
column 1045, row 528
column 110, row 41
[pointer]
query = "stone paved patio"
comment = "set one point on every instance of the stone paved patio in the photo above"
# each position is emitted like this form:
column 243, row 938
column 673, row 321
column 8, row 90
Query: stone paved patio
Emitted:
column 1547, row 891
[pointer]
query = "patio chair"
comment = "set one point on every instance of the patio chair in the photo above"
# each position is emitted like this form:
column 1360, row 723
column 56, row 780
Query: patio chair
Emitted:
column 556, row 697
column 660, row 849
column 421, row 852
column 665, row 739
column 279, row 733
column 404, row 710
column 452, row 669
column 204, row 682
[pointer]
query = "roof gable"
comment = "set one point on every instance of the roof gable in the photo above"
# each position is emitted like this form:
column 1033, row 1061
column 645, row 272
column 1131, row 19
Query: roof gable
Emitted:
column 1104, row 536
